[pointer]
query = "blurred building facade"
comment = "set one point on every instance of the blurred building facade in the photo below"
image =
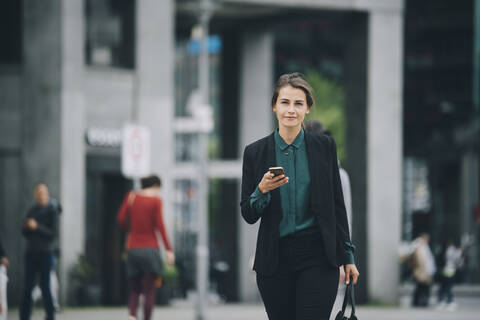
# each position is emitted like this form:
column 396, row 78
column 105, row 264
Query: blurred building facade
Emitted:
column 74, row 72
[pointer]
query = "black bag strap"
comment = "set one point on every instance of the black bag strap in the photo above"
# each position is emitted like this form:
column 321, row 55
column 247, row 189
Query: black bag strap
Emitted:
column 349, row 298
column 131, row 198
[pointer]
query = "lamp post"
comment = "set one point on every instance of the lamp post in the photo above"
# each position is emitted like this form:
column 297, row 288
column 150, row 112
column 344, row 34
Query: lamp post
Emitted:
column 476, row 67
column 203, row 114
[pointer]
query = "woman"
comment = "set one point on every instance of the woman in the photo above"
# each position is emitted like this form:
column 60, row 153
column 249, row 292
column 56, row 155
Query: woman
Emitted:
column 303, row 236
column 140, row 216
column 424, row 268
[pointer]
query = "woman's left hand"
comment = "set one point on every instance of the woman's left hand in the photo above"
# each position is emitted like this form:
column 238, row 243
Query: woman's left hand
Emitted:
column 351, row 271
column 170, row 257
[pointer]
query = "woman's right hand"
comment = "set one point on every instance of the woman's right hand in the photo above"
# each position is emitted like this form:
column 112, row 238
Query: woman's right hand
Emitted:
column 270, row 182
column 31, row 224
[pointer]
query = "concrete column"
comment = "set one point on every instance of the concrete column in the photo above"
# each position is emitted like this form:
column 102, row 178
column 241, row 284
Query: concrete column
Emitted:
column 469, row 198
column 356, row 164
column 11, row 214
column 255, row 123
column 53, row 146
column 384, row 152
column 154, row 85
column 42, row 96
column 11, row 218
column 73, row 125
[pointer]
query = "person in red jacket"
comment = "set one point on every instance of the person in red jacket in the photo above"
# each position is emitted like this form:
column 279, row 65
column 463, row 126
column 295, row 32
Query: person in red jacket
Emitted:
column 140, row 216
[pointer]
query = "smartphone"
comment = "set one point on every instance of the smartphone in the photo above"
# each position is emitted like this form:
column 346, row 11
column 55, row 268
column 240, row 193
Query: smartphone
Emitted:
column 276, row 171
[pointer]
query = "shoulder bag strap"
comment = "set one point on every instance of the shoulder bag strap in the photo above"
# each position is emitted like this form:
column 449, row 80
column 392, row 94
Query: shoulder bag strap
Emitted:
column 131, row 199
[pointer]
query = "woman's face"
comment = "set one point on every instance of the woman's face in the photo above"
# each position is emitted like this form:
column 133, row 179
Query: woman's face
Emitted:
column 291, row 107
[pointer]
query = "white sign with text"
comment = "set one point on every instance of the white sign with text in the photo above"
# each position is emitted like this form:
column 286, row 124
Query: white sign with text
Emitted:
column 135, row 151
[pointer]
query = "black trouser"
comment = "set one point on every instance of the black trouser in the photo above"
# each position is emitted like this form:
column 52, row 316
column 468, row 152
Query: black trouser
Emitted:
column 304, row 286
column 37, row 263
column 446, row 286
column 421, row 295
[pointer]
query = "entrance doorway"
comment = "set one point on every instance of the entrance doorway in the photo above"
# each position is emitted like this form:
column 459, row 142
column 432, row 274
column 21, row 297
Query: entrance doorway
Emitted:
column 106, row 188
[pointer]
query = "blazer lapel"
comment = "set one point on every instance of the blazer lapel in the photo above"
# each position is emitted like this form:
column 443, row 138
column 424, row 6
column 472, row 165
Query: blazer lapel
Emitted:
column 271, row 158
column 272, row 162
column 318, row 179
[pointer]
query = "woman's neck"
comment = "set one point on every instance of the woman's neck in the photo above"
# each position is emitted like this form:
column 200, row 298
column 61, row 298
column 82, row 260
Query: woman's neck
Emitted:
column 289, row 134
column 149, row 192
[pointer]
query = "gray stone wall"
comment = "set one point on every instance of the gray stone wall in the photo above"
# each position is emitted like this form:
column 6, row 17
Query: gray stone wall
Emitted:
column 256, row 86
column 108, row 97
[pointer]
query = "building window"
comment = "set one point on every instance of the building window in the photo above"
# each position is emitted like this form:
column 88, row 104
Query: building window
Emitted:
column 11, row 32
column 110, row 33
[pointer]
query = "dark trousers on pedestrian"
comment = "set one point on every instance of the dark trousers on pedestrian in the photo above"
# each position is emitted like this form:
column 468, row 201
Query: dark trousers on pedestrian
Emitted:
column 304, row 285
column 445, row 291
column 37, row 264
column 421, row 295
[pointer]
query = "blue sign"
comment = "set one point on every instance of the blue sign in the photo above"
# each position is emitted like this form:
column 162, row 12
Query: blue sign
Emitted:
column 214, row 45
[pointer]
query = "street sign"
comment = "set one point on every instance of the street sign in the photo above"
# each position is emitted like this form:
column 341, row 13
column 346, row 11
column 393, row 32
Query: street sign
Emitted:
column 135, row 151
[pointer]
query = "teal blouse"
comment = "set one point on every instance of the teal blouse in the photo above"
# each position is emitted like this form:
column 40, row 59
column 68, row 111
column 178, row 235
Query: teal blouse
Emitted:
column 295, row 194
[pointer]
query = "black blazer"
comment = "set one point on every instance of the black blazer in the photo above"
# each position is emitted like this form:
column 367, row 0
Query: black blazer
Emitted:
column 326, row 199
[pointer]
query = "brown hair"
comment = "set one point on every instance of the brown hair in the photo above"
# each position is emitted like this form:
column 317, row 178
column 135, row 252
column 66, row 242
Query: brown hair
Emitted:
column 295, row 80
column 150, row 181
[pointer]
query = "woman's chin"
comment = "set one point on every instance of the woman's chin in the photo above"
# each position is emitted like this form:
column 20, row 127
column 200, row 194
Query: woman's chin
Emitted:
column 291, row 124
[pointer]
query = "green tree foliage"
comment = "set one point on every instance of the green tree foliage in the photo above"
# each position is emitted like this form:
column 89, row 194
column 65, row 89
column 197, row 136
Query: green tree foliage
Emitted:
column 329, row 108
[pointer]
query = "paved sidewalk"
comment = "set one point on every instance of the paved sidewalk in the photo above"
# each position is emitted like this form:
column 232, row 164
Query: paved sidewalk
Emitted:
column 256, row 312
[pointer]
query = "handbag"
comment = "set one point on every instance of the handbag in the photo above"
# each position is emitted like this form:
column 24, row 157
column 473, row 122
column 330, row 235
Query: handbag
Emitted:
column 349, row 298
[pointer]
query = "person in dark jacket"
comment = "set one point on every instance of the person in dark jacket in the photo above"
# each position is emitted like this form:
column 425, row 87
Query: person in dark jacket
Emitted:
column 40, row 229
column 303, row 236
column 3, row 255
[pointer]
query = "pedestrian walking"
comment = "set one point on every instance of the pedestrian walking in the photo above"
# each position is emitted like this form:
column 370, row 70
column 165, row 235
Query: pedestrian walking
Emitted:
column 423, row 266
column 3, row 282
column 303, row 236
column 40, row 228
column 450, row 259
column 141, row 217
